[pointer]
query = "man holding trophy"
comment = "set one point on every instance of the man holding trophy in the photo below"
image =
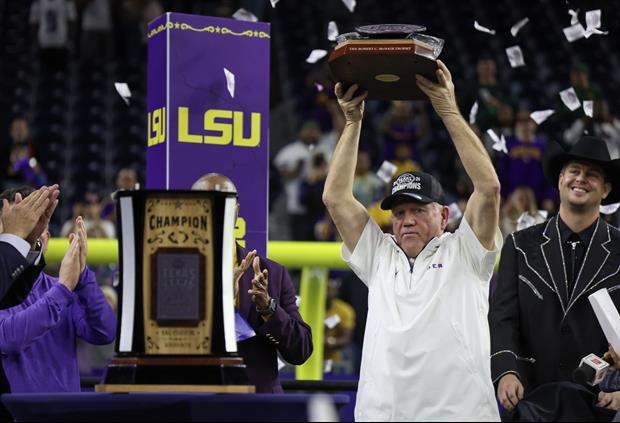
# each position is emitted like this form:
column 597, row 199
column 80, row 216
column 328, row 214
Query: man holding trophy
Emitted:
column 426, row 347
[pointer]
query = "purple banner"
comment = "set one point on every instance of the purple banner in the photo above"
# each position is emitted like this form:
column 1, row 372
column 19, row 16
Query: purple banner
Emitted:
column 198, row 123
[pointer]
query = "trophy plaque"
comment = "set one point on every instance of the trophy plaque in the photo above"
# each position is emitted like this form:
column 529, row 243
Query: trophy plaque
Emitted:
column 384, row 59
column 176, row 329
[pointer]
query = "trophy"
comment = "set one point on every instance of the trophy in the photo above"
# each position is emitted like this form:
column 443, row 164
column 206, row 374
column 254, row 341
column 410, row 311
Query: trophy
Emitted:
column 176, row 326
column 383, row 59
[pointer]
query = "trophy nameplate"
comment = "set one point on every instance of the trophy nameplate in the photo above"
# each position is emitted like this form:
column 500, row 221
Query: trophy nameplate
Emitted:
column 178, row 261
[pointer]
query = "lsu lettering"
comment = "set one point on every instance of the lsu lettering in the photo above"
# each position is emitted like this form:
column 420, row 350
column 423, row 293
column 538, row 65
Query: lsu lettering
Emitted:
column 157, row 126
column 221, row 127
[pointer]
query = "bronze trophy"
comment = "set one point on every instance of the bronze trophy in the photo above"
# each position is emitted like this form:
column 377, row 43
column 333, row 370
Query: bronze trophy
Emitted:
column 383, row 59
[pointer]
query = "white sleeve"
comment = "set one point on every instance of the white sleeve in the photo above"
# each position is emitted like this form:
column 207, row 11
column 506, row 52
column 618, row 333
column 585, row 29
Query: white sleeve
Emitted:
column 483, row 260
column 362, row 259
column 18, row 243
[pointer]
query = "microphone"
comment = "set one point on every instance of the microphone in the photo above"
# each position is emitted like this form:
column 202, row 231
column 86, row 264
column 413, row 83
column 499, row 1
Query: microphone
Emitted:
column 591, row 370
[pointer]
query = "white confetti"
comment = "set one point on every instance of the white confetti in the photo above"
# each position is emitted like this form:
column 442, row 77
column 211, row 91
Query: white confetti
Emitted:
column 230, row 82
column 274, row 2
column 588, row 107
column 609, row 208
column 332, row 321
column 454, row 213
column 318, row 86
column 593, row 18
column 32, row 162
column 316, row 55
column 481, row 28
column 574, row 19
column 499, row 143
column 281, row 364
column 327, row 368
column 517, row 27
column 472, row 113
column 386, row 171
column 574, row 33
column 570, row 99
column 332, row 31
column 350, row 4
column 297, row 300
column 539, row 116
column 592, row 31
column 515, row 56
column 526, row 220
column 244, row 15
column 123, row 90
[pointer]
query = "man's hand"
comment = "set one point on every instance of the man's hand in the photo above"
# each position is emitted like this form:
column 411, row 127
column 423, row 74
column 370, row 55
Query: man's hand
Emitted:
column 509, row 391
column 240, row 270
column 22, row 217
column 352, row 107
column 260, row 282
column 82, row 240
column 612, row 354
column 69, row 273
column 442, row 94
column 45, row 218
column 609, row 400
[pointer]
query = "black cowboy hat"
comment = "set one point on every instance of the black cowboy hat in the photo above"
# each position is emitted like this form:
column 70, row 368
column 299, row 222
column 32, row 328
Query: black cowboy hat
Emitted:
column 590, row 150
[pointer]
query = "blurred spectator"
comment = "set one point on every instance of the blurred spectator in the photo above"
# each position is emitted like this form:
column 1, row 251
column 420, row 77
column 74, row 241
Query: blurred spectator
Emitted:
column 602, row 125
column 523, row 163
column 311, row 193
column 22, row 167
column 96, row 41
column 53, row 21
column 294, row 163
column 90, row 209
column 126, row 180
column 367, row 187
column 585, row 90
column 340, row 325
column 490, row 95
column 402, row 125
column 26, row 168
column 521, row 200
column 403, row 159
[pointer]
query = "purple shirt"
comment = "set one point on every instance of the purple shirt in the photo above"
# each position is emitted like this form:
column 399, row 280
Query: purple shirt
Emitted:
column 38, row 337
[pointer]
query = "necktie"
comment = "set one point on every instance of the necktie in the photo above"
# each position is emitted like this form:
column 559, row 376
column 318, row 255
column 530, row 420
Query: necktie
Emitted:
column 573, row 242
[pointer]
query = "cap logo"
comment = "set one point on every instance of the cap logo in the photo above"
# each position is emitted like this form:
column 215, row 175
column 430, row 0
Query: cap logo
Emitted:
column 406, row 181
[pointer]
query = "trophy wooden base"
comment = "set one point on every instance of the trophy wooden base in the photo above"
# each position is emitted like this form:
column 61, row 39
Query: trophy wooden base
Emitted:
column 176, row 374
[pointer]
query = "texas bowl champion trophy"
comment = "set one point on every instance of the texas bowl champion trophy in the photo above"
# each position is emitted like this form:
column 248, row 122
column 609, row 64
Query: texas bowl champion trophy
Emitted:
column 383, row 59
column 176, row 326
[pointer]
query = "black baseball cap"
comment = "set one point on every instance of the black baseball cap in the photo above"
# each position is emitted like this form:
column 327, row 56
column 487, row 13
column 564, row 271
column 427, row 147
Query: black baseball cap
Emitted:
column 415, row 186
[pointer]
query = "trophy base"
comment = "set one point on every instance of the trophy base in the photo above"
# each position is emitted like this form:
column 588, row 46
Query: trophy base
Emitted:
column 216, row 389
column 176, row 374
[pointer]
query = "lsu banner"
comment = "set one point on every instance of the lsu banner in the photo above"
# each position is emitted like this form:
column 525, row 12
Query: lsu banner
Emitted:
column 208, row 110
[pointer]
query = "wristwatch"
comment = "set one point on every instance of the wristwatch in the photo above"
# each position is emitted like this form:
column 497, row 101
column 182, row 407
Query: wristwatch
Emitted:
column 271, row 308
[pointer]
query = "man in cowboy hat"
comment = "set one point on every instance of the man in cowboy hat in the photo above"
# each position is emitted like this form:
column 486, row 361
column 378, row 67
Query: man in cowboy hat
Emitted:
column 541, row 321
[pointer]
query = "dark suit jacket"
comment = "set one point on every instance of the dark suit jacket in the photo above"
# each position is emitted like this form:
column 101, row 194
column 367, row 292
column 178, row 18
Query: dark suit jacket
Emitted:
column 12, row 264
column 285, row 332
column 532, row 315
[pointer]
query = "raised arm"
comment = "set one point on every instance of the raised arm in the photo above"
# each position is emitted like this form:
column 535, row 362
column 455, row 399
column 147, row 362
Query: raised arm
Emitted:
column 348, row 214
column 482, row 212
